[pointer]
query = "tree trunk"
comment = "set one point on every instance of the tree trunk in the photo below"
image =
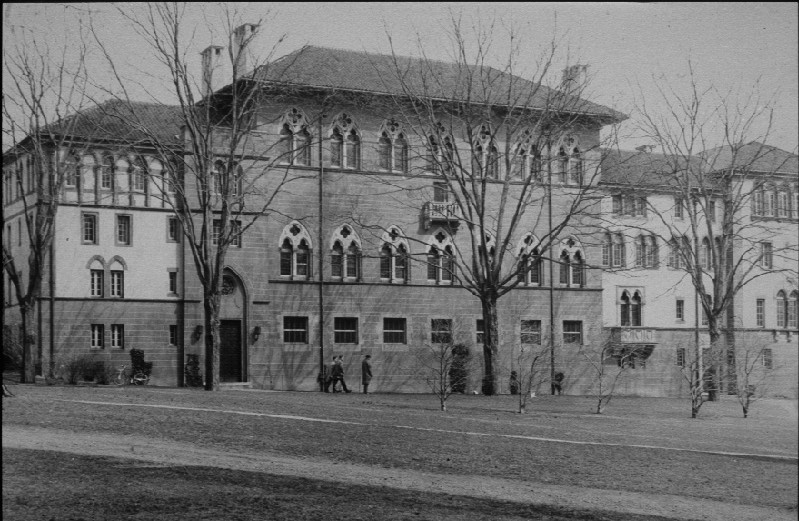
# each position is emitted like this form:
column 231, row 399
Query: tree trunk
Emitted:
column 28, row 369
column 211, row 320
column 715, row 337
column 490, row 343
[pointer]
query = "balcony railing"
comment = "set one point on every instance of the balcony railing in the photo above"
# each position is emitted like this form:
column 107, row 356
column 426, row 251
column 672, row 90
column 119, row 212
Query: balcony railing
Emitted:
column 634, row 335
column 440, row 213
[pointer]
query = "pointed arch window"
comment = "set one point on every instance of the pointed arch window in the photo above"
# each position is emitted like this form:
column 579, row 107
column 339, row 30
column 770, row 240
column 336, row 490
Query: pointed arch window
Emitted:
column 345, row 143
column 782, row 308
column 630, row 309
column 71, row 166
column 532, row 268
column 138, row 174
column 294, row 145
column 296, row 254
column 576, row 167
column 792, row 310
column 352, row 151
column 345, row 255
column 394, row 259
column 562, row 166
column 393, row 147
column 440, row 265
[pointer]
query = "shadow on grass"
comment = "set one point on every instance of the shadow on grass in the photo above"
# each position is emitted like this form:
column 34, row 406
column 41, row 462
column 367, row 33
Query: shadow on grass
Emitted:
column 53, row 485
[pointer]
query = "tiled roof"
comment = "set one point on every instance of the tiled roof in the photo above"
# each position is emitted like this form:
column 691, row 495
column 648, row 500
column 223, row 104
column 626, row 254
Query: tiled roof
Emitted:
column 116, row 120
column 641, row 168
column 378, row 73
column 753, row 157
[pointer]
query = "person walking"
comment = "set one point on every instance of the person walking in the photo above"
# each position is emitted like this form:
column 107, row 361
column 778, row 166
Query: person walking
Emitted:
column 366, row 373
column 338, row 374
column 329, row 375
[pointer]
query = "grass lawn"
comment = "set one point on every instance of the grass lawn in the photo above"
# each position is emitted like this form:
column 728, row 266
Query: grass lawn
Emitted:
column 640, row 445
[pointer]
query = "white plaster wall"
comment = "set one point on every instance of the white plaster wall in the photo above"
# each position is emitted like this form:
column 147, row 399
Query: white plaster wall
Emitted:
column 148, row 257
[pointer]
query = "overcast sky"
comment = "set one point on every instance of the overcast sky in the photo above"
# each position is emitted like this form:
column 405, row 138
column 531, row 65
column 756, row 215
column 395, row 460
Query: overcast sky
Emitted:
column 731, row 45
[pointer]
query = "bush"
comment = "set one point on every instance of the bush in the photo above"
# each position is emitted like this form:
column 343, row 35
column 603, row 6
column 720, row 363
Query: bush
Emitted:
column 458, row 372
column 12, row 349
column 193, row 376
column 97, row 372
column 139, row 365
column 74, row 367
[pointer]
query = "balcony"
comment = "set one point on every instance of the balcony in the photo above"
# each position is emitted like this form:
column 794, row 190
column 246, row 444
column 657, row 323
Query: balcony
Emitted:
column 440, row 213
column 634, row 335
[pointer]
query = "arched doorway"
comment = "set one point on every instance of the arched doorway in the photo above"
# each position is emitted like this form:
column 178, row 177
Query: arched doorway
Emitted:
column 232, row 316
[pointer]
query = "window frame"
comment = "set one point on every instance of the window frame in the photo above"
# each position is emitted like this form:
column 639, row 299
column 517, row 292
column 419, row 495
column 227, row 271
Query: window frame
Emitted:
column 295, row 335
column 390, row 335
column 530, row 332
column 441, row 331
column 117, row 336
column 173, row 335
column 117, row 288
column 94, row 219
column 172, row 229
column 97, row 283
column 572, row 324
column 97, row 336
column 119, row 239
column 346, row 330
column 760, row 312
column 679, row 310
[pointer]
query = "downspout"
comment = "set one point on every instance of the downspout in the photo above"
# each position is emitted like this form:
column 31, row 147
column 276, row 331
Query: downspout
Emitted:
column 52, row 306
column 551, row 286
column 320, row 286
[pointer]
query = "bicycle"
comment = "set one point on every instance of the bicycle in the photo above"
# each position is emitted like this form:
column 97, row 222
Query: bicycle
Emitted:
column 139, row 378
column 120, row 377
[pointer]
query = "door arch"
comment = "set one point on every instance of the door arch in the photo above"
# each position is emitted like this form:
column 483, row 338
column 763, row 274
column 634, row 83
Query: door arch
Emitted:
column 232, row 325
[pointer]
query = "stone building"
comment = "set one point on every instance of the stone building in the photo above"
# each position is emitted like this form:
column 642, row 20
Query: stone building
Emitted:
column 360, row 253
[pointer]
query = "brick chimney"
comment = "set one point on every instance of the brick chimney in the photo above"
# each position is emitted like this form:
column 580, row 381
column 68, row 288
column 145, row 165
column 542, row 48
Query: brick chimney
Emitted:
column 214, row 60
column 574, row 79
column 242, row 50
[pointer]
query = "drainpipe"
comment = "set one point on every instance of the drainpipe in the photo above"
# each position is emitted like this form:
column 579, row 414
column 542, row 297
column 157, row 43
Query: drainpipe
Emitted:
column 551, row 287
column 321, row 267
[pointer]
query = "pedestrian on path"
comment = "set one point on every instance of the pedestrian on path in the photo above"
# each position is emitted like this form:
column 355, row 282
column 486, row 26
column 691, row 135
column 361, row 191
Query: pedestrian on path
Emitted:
column 338, row 374
column 366, row 373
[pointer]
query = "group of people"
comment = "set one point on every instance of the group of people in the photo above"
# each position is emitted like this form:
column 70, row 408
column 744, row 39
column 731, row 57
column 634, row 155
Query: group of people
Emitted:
column 336, row 375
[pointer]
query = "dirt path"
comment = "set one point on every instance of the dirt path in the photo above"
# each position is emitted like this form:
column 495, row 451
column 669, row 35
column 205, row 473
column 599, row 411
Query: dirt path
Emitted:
column 167, row 453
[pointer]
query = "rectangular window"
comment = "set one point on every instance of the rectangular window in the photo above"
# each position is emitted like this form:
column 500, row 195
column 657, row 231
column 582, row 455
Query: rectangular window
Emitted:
column 711, row 211
column 766, row 255
column 441, row 331
column 480, row 328
column 235, row 234
column 89, row 228
column 345, row 330
column 216, row 231
column 681, row 356
column 173, row 334
column 760, row 312
column 440, row 193
column 124, row 230
column 572, row 332
column 97, row 336
column 96, row 283
column 617, row 204
column 118, row 284
column 295, row 330
column 172, row 229
column 394, row 331
column 768, row 360
column 173, row 281
column 117, row 336
column 678, row 208
column 680, row 311
column 531, row 332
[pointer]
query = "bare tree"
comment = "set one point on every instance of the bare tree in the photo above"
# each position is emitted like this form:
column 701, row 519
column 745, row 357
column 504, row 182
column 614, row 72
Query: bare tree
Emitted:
column 44, row 86
column 530, row 368
column 508, row 160
column 215, row 188
column 443, row 363
column 754, row 369
column 608, row 363
column 714, row 158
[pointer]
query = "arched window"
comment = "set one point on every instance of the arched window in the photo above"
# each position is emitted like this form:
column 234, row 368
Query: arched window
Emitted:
column 618, row 255
column 646, row 252
column 576, row 167
column 294, row 147
column 705, row 255
column 393, row 147
column 295, row 252
column 793, row 309
column 578, row 270
column 485, row 156
column 675, row 254
column 565, row 267
column 218, row 175
column 783, row 209
column 440, row 265
column 346, row 254
column 562, row 166
column 572, row 263
column 630, row 308
column 138, row 175
column 394, row 265
column 71, row 166
column 782, row 309
column 532, row 268
column 635, row 310
column 625, row 308
column 345, row 143
column 106, row 172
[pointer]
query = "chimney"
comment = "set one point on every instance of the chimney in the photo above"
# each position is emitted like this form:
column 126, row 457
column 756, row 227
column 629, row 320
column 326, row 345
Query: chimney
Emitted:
column 242, row 53
column 213, row 69
column 574, row 79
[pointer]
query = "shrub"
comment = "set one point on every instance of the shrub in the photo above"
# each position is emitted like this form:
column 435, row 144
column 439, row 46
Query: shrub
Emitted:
column 458, row 373
column 74, row 367
column 12, row 349
column 137, row 360
column 193, row 376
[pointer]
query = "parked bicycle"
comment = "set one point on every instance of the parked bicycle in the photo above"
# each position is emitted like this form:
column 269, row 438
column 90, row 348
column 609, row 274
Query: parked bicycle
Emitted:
column 138, row 378
column 120, row 377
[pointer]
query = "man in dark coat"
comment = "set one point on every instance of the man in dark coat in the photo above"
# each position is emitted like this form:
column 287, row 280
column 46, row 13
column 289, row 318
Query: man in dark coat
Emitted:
column 366, row 373
column 338, row 374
